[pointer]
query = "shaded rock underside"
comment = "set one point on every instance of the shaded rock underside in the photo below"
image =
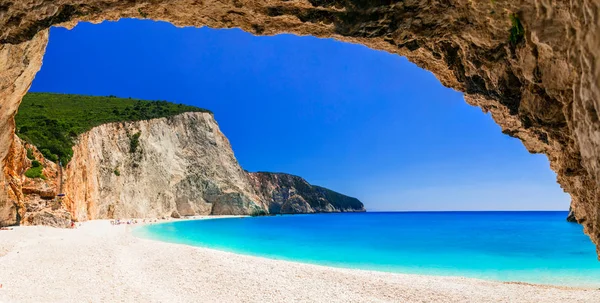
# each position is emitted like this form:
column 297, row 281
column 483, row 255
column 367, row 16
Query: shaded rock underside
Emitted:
column 530, row 64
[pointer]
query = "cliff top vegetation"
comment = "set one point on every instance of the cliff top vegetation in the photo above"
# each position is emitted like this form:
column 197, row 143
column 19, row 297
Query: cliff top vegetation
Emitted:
column 52, row 122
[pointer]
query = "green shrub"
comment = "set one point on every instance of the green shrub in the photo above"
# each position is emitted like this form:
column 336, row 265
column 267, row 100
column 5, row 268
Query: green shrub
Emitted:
column 117, row 172
column 134, row 142
column 52, row 122
column 35, row 172
column 50, row 156
column 517, row 32
column 36, row 163
column 30, row 154
column 142, row 13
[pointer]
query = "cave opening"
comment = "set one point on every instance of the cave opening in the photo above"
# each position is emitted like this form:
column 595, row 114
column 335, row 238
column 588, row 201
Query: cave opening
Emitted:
column 528, row 65
column 378, row 127
column 516, row 61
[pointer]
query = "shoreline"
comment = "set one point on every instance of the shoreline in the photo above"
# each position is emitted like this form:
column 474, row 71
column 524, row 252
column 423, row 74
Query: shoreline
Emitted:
column 40, row 263
column 210, row 217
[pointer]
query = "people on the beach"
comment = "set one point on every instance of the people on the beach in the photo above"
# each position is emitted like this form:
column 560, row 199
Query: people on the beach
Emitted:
column 5, row 228
column 135, row 221
column 128, row 222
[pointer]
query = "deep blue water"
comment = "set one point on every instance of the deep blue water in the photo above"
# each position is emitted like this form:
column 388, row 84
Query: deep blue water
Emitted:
column 538, row 247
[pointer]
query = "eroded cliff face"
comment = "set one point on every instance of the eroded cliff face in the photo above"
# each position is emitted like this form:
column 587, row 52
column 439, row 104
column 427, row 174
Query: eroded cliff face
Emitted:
column 289, row 194
column 532, row 64
column 168, row 167
column 177, row 166
column 31, row 201
column 18, row 65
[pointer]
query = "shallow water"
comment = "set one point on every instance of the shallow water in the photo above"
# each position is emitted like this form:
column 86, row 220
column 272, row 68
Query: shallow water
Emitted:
column 537, row 247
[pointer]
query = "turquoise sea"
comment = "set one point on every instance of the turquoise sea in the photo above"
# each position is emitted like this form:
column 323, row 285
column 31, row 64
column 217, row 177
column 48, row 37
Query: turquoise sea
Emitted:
column 537, row 247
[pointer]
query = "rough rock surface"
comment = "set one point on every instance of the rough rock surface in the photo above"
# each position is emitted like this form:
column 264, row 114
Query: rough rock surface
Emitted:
column 532, row 64
column 571, row 217
column 182, row 166
column 18, row 65
column 289, row 194
column 32, row 201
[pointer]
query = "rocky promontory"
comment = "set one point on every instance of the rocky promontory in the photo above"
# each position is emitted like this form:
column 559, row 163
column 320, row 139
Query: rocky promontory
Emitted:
column 175, row 166
column 289, row 194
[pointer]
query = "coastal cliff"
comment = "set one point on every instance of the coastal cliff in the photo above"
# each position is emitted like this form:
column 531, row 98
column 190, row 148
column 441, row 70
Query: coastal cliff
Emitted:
column 289, row 194
column 165, row 167
column 177, row 166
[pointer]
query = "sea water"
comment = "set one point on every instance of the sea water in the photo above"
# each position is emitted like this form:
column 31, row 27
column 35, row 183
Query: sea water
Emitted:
column 537, row 247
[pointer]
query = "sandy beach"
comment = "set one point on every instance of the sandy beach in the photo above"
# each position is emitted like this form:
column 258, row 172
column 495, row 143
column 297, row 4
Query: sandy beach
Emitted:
column 98, row 262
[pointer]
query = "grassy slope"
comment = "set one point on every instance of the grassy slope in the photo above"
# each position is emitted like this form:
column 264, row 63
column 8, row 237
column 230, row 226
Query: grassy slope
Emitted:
column 52, row 122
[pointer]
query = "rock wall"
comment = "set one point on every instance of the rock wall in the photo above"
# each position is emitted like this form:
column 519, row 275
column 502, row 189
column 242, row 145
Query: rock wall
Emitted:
column 167, row 167
column 32, row 201
column 181, row 166
column 571, row 216
column 18, row 65
column 289, row 194
column 532, row 64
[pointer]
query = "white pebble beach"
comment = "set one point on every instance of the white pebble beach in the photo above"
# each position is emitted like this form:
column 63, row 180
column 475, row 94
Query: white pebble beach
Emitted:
column 99, row 262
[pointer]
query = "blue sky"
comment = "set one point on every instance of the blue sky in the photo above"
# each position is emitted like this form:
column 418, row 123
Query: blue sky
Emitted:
column 365, row 123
